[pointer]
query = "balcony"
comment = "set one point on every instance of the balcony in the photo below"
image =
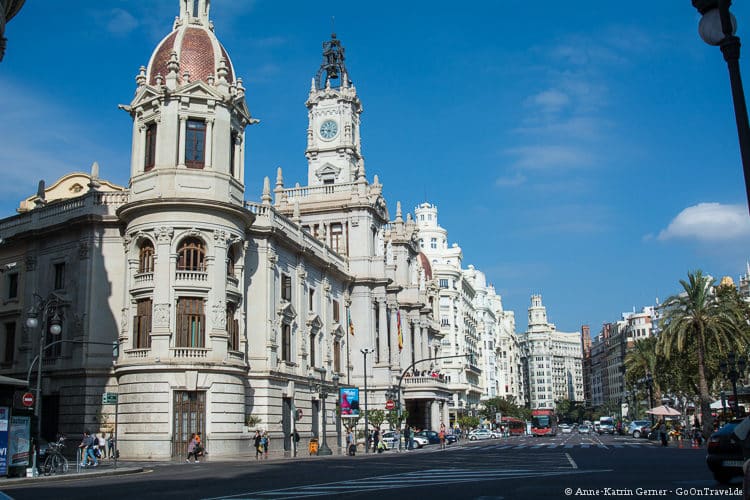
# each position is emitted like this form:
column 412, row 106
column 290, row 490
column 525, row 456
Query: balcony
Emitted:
column 189, row 352
column 194, row 278
column 418, row 382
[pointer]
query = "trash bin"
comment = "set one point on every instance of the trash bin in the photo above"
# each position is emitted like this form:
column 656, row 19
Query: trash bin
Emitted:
column 313, row 446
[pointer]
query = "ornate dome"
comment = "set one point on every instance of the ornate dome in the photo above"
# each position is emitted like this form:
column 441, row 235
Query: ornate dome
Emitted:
column 199, row 52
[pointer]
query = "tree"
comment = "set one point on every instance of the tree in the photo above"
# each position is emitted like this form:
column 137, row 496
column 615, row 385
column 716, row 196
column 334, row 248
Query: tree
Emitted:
column 393, row 420
column 468, row 422
column 376, row 417
column 505, row 406
column 700, row 320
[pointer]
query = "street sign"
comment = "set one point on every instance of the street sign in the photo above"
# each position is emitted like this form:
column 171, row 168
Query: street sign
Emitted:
column 390, row 405
column 28, row 399
column 109, row 398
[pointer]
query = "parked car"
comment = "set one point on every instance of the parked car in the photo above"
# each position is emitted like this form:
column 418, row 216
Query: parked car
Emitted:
column 420, row 441
column 724, row 458
column 432, row 437
column 639, row 428
column 584, row 429
column 389, row 438
column 481, row 434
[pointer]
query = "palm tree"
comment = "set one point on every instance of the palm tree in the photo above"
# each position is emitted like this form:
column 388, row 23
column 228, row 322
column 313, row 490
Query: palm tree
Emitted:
column 695, row 319
column 642, row 360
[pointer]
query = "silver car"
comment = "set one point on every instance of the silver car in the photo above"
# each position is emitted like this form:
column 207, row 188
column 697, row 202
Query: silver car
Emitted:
column 480, row 434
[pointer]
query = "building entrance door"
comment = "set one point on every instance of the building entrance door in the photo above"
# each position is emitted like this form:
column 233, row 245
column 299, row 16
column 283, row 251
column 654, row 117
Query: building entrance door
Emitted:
column 189, row 417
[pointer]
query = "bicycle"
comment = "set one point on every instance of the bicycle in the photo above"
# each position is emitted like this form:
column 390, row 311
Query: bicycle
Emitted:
column 55, row 462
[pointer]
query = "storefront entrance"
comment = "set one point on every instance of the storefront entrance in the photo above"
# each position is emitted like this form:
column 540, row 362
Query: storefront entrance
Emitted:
column 189, row 417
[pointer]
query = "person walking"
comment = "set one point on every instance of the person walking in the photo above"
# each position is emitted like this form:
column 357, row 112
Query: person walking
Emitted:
column 102, row 446
column 258, row 446
column 663, row 434
column 192, row 445
column 111, row 452
column 375, row 440
column 408, row 438
column 265, row 441
column 87, row 450
column 441, row 435
column 351, row 446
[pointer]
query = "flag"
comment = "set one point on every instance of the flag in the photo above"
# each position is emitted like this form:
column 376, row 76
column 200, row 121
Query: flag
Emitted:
column 349, row 320
column 400, row 335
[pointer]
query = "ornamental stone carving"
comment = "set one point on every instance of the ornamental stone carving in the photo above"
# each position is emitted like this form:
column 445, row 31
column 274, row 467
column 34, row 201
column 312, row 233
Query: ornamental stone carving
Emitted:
column 83, row 250
column 164, row 234
column 124, row 321
column 161, row 315
column 221, row 237
column 220, row 315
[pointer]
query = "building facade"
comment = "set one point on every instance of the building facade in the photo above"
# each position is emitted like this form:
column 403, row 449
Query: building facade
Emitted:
column 553, row 367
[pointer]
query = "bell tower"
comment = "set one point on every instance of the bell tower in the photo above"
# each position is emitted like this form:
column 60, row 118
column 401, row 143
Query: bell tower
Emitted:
column 333, row 141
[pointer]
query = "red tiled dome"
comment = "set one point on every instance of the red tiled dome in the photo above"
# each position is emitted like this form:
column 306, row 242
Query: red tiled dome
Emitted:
column 426, row 265
column 198, row 51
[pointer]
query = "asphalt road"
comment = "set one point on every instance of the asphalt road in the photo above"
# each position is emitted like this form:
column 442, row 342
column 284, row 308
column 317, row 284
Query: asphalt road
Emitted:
column 566, row 466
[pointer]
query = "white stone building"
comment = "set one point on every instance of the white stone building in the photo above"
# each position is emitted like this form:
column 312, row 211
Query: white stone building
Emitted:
column 553, row 366
column 223, row 309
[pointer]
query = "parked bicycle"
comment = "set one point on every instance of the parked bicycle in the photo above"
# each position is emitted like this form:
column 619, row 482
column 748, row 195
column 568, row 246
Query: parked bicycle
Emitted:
column 55, row 462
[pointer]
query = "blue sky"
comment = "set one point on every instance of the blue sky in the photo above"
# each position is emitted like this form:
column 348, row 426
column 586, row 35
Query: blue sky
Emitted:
column 586, row 154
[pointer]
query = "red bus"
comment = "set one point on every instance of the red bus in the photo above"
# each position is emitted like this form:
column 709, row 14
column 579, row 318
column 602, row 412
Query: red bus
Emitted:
column 543, row 422
column 513, row 426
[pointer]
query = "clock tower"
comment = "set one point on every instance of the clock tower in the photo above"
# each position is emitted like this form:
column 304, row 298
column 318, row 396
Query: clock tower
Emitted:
column 333, row 142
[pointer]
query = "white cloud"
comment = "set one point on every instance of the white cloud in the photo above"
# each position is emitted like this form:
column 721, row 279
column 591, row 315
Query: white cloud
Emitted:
column 709, row 222
column 121, row 22
column 550, row 101
column 511, row 181
column 547, row 156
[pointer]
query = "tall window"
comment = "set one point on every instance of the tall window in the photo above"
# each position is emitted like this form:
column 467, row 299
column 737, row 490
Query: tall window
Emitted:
column 233, row 327
column 59, row 275
column 286, row 343
column 149, row 155
column 336, row 312
column 142, row 324
column 312, row 349
column 13, row 286
column 433, row 243
column 191, row 322
column 191, row 256
column 286, row 287
column 230, row 262
column 9, row 343
column 146, row 258
column 232, row 159
column 195, row 144
column 337, row 242
column 311, row 300
column 337, row 355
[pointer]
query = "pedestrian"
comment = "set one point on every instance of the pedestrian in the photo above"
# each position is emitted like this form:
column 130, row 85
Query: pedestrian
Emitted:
column 265, row 441
column 375, row 440
column 111, row 451
column 192, row 445
column 351, row 446
column 102, row 446
column 258, row 445
column 200, row 450
column 87, row 450
column 663, row 433
column 408, row 438
column 441, row 435
column 95, row 446
column 397, row 436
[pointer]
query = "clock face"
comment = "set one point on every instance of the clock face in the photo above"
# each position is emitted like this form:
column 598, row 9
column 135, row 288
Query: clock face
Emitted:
column 329, row 129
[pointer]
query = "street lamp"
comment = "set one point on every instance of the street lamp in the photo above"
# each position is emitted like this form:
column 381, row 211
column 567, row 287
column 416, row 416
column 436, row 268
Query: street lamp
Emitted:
column 322, row 389
column 734, row 368
column 717, row 27
column 51, row 321
column 365, row 351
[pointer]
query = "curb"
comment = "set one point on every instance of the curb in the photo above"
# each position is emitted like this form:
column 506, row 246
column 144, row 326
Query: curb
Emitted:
column 70, row 476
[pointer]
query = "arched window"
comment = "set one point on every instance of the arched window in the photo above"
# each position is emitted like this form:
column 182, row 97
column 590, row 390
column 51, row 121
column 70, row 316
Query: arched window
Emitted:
column 146, row 257
column 233, row 327
column 191, row 255
column 230, row 262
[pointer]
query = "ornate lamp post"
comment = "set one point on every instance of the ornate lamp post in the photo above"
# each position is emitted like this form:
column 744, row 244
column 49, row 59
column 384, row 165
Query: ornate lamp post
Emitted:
column 717, row 27
column 51, row 321
column 734, row 368
column 322, row 389
column 365, row 351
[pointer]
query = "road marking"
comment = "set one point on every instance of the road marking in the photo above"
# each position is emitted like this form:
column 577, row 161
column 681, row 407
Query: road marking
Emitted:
column 399, row 481
column 572, row 462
